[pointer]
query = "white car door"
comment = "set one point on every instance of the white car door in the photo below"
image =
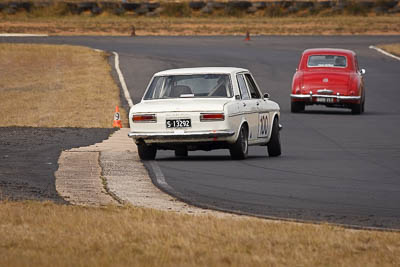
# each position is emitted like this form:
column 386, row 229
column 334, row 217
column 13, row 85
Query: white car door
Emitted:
column 249, row 107
column 264, row 115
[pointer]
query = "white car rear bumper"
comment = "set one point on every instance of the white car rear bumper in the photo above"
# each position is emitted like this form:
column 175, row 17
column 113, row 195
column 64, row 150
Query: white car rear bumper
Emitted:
column 182, row 136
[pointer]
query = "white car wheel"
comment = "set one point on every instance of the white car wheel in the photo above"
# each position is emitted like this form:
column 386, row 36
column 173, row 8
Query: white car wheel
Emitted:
column 239, row 150
column 274, row 144
column 147, row 152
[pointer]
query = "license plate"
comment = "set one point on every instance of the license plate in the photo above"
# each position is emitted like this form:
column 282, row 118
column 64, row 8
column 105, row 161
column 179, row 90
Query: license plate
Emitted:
column 324, row 100
column 179, row 123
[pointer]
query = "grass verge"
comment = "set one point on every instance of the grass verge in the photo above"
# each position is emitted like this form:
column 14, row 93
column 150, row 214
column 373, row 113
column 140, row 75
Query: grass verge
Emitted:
column 56, row 86
column 107, row 24
column 391, row 48
column 127, row 236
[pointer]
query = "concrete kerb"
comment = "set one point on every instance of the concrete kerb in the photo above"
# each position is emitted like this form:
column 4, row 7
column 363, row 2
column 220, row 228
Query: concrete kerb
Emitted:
column 77, row 179
column 125, row 178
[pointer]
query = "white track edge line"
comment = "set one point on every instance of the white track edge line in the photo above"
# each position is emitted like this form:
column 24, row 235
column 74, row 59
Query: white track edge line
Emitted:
column 122, row 81
column 384, row 52
column 159, row 175
column 156, row 169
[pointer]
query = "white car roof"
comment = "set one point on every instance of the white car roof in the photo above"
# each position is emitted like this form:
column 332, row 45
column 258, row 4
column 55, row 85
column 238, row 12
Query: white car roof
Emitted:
column 202, row 70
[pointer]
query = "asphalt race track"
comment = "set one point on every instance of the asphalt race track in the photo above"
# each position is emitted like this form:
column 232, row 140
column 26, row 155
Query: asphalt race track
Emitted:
column 335, row 166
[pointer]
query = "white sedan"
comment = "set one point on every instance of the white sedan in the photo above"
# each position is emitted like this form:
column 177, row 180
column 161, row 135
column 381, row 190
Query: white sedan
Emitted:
column 204, row 109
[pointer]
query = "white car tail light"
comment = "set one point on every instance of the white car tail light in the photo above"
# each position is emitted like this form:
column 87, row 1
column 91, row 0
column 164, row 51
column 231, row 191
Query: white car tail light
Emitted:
column 144, row 118
column 212, row 116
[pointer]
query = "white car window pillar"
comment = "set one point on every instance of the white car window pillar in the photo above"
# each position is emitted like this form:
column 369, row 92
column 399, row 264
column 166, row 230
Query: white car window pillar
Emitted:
column 250, row 108
column 242, row 87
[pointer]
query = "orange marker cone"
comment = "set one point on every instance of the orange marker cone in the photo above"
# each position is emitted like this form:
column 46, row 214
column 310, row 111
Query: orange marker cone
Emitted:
column 117, row 118
column 247, row 36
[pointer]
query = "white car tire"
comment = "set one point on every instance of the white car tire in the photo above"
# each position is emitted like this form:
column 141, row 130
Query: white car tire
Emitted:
column 147, row 152
column 296, row 107
column 240, row 149
column 274, row 144
column 181, row 152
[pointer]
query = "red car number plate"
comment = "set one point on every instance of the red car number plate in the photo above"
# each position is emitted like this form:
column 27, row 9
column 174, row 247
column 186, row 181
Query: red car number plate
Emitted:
column 324, row 100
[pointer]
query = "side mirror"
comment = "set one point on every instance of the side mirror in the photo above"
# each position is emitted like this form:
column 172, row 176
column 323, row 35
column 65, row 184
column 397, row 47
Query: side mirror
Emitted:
column 266, row 95
column 362, row 71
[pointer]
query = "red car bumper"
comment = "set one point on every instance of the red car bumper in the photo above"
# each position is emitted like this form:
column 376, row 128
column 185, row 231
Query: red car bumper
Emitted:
column 325, row 99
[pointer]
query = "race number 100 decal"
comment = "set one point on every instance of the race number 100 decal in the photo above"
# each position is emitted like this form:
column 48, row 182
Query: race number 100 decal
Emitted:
column 263, row 125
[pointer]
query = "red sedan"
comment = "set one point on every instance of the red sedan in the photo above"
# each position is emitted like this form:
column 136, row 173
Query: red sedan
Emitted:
column 329, row 77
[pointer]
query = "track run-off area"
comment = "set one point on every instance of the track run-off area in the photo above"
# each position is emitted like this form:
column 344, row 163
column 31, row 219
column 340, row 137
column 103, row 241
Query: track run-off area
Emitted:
column 335, row 167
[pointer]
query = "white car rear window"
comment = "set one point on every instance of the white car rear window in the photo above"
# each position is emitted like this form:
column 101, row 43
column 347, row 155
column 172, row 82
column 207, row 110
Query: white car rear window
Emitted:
column 199, row 85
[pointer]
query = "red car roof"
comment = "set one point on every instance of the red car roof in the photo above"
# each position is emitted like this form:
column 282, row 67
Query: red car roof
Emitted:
column 328, row 51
